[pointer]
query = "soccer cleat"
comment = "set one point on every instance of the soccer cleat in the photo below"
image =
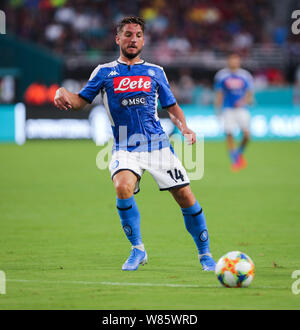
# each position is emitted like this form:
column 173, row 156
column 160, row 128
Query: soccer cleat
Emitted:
column 234, row 157
column 136, row 258
column 207, row 262
column 242, row 163
column 235, row 167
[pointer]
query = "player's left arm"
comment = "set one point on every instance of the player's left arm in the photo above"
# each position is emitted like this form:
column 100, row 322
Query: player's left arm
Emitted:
column 169, row 103
column 177, row 116
column 249, row 97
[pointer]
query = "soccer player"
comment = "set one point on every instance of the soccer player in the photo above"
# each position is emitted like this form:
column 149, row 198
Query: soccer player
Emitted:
column 234, row 92
column 130, row 88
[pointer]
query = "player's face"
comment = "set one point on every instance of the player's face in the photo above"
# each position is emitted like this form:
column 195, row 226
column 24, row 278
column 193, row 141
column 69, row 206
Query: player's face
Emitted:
column 234, row 62
column 130, row 40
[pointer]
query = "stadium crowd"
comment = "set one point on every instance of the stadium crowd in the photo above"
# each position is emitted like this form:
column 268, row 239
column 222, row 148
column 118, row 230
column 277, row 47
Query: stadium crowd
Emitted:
column 87, row 27
column 76, row 26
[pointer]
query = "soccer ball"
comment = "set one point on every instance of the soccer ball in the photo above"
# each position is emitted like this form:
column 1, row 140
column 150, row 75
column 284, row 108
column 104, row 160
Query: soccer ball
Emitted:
column 235, row 269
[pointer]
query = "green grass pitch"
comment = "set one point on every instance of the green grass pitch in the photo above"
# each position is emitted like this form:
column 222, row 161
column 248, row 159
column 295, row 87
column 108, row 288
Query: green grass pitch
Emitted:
column 62, row 247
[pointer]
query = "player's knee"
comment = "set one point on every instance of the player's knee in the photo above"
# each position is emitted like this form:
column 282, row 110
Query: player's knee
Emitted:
column 229, row 137
column 246, row 136
column 184, row 196
column 124, row 189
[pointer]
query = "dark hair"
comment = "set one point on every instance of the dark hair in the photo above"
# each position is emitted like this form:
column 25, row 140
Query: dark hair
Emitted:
column 232, row 53
column 131, row 20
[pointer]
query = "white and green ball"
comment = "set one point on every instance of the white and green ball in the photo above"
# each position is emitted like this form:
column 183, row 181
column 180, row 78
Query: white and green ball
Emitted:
column 235, row 269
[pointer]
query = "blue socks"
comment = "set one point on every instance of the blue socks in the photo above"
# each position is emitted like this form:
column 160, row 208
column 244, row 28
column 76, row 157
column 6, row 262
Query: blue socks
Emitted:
column 241, row 149
column 193, row 218
column 234, row 153
column 195, row 224
column 130, row 219
column 233, row 156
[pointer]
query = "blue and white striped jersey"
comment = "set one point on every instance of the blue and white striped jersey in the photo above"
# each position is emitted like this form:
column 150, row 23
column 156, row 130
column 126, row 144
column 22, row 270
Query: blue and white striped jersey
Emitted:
column 130, row 94
column 234, row 85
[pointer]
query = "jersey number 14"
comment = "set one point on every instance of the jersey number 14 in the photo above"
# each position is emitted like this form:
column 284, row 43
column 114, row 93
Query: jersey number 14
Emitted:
column 176, row 176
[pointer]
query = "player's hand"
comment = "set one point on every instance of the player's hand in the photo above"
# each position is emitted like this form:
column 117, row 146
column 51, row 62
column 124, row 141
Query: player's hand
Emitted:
column 189, row 135
column 240, row 103
column 61, row 99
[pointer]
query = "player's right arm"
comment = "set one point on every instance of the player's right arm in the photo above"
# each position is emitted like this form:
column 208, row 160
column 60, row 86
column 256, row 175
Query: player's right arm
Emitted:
column 219, row 94
column 65, row 100
column 218, row 101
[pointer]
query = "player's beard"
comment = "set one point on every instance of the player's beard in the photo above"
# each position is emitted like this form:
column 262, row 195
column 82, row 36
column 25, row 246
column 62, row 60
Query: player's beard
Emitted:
column 131, row 56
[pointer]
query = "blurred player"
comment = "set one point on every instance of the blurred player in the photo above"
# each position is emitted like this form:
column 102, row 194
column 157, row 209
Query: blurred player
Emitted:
column 130, row 88
column 234, row 92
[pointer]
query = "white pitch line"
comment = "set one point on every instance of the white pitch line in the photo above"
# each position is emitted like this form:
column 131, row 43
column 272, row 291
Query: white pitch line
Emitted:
column 167, row 285
column 172, row 285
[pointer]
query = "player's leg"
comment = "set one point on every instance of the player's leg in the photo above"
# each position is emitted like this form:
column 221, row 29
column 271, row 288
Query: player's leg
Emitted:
column 169, row 174
column 125, row 182
column 195, row 224
column 243, row 117
column 231, row 150
column 241, row 149
column 229, row 127
column 244, row 141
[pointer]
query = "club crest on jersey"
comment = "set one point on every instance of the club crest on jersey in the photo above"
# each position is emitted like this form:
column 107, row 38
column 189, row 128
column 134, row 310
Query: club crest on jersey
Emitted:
column 132, row 84
column 151, row 72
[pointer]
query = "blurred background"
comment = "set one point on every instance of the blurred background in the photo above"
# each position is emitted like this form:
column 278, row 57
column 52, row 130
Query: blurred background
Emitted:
column 51, row 43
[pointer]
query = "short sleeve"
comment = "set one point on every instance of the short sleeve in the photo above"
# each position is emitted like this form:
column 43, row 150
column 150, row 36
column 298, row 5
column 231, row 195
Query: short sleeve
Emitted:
column 250, row 82
column 93, row 86
column 165, row 94
column 218, row 82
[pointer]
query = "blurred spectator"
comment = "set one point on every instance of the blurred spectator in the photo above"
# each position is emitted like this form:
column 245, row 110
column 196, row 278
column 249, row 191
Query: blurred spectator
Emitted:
column 53, row 32
column 242, row 41
column 296, row 94
column 179, row 44
column 186, row 87
column 297, row 76
column 280, row 35
column 269, row 77
column 65, row 15
column 275, row 77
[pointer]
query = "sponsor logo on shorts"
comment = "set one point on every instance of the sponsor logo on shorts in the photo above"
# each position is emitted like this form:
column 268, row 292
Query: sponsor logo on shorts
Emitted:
column 132, row 84
column 134, row 100
column 203, row 236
